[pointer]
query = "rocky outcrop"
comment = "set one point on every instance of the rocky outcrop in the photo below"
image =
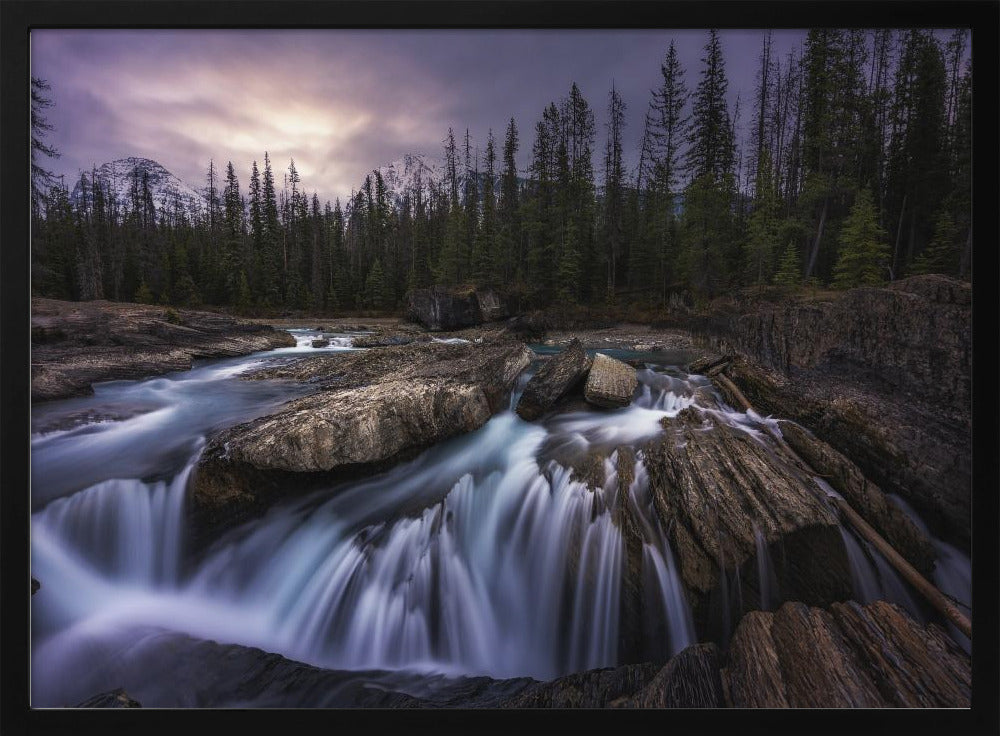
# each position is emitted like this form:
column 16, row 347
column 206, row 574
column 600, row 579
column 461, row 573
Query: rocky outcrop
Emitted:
column 863, row 495
column 113, row 699
column 610, row 383
column 75, row 344
column 557, row 377
column 726, row 498
column 871, row 656
column 883, row 375
column 370, row 409
column 691, row 679
column 797, row 657
column 321, row 343
column 904, row 447
column 439, row 308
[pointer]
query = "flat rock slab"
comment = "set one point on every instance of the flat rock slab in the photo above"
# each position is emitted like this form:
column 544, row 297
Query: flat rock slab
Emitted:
column 76, row 344
column 610, row 383
column 370, row 410
column 851, row 656
column 556, row 378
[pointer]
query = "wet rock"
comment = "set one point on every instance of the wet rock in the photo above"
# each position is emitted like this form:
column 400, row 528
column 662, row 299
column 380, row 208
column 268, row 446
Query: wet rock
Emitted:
column 610, row 383
column 903, row 446
column 371, row 409
column 321, row 343
column 717, row 488
column 590, row 689
column 113, row 699
column 35, row 585
column 557, row 377
column 691, row 679
column 850, row 656
column 76, row 344
column 863, row 495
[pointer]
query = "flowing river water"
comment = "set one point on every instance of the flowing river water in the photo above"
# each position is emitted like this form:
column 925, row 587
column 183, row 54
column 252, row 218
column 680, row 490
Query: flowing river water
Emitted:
column 482, row 556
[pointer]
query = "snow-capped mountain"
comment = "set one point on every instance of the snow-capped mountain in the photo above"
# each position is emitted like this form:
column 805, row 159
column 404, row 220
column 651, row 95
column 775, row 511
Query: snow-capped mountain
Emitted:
column 401, row 175
column 168, row 191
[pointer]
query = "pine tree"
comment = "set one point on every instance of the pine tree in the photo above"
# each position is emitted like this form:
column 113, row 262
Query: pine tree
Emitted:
column 863, row 258
column 789, row 273
column 762, row 231
column 232, row 230
column 509, row 222
column 41, row 177
column 942, row 254
column 614, row 194
column 711, row 150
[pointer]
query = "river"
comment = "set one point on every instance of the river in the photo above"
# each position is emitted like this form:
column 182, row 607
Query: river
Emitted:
column 482, row 556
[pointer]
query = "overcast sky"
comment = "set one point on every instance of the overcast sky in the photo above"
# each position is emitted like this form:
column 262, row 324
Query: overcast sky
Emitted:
column 344, row 102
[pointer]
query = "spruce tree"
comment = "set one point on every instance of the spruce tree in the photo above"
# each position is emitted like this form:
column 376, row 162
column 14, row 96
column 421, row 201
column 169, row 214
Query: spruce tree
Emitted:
column 941, row 255
column 789, row 273
column 863, row 258
column 509, row 221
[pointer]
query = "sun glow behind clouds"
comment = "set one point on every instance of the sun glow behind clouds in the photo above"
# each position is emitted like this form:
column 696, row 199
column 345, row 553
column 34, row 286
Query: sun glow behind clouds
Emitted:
column 339, row 102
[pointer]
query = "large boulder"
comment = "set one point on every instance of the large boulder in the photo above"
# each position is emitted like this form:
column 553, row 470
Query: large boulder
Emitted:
column 369, row 410
column 440, row 308
column 691, row 679
column 76, row 344
column 610, row 383
column 728, row 500
column 557, row 377
column 872, row 656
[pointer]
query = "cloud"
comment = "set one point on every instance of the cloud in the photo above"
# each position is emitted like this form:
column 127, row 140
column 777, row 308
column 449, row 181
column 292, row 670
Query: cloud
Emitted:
column 339, row 102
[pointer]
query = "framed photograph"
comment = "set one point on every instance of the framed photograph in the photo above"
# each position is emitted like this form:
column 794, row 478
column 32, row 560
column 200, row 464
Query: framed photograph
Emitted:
column 478, row 365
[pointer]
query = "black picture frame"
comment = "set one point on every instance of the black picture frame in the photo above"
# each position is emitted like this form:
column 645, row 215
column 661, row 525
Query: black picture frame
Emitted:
column 20, row 17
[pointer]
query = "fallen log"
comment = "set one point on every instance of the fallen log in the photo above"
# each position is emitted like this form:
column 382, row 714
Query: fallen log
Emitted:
column 933, row 596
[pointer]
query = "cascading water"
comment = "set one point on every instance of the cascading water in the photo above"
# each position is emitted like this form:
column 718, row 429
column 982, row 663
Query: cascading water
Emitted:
column 484, row 555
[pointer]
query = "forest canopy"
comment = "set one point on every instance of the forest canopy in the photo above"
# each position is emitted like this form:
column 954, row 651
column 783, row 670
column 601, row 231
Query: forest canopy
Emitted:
column 854, row 169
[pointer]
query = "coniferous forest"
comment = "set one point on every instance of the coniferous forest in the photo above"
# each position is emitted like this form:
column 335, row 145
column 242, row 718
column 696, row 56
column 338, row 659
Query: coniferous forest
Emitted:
column 848, row 164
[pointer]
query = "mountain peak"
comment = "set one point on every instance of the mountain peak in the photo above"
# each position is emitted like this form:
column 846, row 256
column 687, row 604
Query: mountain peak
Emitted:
column 169, row 192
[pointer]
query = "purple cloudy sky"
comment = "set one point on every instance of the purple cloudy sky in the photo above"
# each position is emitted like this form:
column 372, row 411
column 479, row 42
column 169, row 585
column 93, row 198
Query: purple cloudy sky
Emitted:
column 343, row 102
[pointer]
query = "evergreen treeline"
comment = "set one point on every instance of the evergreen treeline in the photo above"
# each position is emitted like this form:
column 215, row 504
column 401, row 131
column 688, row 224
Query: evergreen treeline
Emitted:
column 855, row 170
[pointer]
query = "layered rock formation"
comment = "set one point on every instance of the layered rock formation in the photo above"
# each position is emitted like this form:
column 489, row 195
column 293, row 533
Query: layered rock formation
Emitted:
column 883, row 375
column 370, row 409
column 75, row 344
column 726, row 499
column 557, row 377
column 610, row 383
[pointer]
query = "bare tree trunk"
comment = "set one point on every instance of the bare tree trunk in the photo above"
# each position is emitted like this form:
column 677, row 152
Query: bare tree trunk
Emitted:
column 899, row 235
column 819, row 236
column 966, row 262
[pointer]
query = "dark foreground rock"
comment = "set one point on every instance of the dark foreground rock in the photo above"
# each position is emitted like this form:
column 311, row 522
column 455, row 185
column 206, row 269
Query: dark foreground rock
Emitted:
column 727, row 499
column 800, row 657
column 610, row 383
column 883, row 375
column 35, row 585
column 113, row 699
column 370, row 410
column 75, row 344
column 557, row 377
column 439, row 308
column 871, row 656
